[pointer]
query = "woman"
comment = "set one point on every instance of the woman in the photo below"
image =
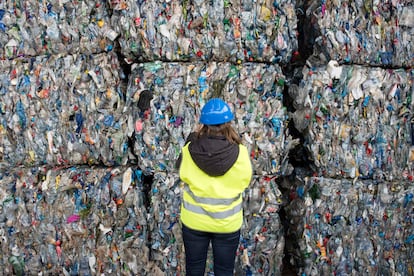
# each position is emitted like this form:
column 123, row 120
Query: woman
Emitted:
column 215, row 168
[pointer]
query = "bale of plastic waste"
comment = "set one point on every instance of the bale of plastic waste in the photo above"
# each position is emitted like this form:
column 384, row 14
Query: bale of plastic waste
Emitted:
column 373, row 33
column 74, row 221
column 62, row 109
column 160, row 124
column 37, row 28
column 356, row 120
column 261, row 31
column 353, row 226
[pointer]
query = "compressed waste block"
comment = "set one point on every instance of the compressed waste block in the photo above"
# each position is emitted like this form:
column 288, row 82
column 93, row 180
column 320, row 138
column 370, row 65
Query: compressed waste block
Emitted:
column 37, row 28
column 352, row 227
column 373, row 33
column 160, row 124
column 62, row 109
column 356, row 120
column 260, row 31
column 74, row 221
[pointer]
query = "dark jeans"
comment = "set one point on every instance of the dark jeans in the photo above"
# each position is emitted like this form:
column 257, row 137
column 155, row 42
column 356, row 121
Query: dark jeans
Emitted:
column 196, row 245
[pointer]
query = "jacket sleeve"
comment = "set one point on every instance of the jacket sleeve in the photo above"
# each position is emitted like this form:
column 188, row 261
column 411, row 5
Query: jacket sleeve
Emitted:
column 191, row 137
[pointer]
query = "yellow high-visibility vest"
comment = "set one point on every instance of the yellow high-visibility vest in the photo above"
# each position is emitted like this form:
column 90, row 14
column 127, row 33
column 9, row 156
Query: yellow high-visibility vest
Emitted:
column 214, row 203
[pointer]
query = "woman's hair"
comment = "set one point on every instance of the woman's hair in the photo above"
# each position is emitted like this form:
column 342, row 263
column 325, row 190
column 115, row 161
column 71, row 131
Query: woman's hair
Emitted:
column 225, row 130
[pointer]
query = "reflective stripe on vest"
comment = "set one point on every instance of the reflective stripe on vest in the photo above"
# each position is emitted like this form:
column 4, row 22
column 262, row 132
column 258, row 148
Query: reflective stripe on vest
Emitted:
column 210, row 200
column 215, row 215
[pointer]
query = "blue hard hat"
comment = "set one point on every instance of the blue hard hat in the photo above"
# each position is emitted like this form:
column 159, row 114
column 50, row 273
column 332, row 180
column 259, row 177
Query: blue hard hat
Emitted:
column 216, row 112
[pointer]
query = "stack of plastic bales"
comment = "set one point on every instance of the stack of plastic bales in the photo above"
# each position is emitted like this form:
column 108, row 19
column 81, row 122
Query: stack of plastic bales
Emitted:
column 161, row 127
column 365, row 170
column 112, row 199
column 354, row 216
column 60, row 108
column 87, row 154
